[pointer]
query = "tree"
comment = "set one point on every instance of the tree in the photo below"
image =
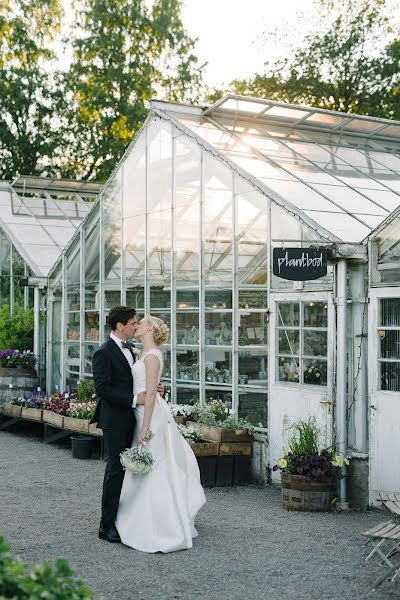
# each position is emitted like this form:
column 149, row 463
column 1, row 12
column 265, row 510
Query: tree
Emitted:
column 30, row 95
column 349, row 62
column 124, row 54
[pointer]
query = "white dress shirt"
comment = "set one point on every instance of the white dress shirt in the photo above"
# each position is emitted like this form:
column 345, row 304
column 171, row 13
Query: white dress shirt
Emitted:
column 128, row 355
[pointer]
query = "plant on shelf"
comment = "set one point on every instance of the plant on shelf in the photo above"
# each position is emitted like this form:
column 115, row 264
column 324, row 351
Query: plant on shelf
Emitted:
column 227, row 374
column 81, row 410
column 215, row 413
column 243, row 379
column 212, row 374
column 305, row 460
column 189, row 433
column 314, row 375
column 181, row 410
column 59, row 403
column 14, row 359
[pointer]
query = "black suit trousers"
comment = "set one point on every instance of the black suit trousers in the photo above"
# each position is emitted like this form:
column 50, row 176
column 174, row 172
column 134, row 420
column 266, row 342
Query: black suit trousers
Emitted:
column 114, row 442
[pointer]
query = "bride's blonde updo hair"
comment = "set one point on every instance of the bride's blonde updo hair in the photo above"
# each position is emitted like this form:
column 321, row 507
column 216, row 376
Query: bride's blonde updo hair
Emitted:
column 160, row 329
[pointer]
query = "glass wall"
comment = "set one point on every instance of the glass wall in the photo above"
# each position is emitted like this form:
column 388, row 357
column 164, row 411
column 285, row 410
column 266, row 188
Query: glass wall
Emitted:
column 12, row 268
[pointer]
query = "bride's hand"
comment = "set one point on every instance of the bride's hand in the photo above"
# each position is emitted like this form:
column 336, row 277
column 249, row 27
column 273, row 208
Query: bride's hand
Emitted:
column 160, row 388
column 143, row 437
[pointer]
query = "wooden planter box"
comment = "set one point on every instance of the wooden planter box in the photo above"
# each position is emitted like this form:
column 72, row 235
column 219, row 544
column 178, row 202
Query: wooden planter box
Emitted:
column 11, row 410
column 303, row 493
column 180, row 420
column 33, row 414
column 219, row 434
column 53, row 419
column 241, row 470
column 224, row 475
column 208, row 470
column 235, row 448
column 205, row 448
column 94, row 430
column 74, row 424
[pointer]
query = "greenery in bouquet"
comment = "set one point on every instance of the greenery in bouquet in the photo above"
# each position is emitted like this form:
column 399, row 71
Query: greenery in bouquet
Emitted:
column 81, row 410
column 189, row 433
column 10, row 358
column 137, row 460
column 86, row 391
column 305, row 457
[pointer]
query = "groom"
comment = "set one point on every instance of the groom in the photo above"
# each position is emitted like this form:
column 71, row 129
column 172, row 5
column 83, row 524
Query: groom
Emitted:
column 112, row 374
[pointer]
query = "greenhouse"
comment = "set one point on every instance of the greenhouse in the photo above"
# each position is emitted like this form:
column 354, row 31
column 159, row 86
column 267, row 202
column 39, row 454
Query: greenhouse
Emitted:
column 210, row 222
column 38, row 217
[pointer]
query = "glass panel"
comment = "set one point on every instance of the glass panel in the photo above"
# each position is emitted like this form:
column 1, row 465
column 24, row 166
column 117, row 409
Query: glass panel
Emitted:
column 288, row 314
column 187, row 299
column 92, row 249
column 253, row 367
column 186, row 395
column 134, row 196
column 73, row 260
column 252, row 329
column 388, row 200
column 218, row 329
column 134, row 241
column 253, row 406
column 350, row 200
column 159, row 193
column 187, row 366
column 163, row 315
column 217, row 222
column 390, row 343
column 218, row 298
column 315, row 343
column 288, row 341
column 390, row 376
column 302, row 196
column 92, row 326
column 73, row 325
column 187, row 328
column 218, row 367
column 213, row 393
column 111, row 299
column 252, row 298
column 314, row 371
column 160, row 298
column 390, row 312
column 73, row 363
column 159, row 248
column 288, row 369
column 90, row 349
column 112, row 212
column 315, row 314
column 342, row 225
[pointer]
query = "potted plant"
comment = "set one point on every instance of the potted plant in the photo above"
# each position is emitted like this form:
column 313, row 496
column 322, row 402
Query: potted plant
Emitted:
column 243, row 379
column 55, row 407
column 181, row 412
column 308, row 473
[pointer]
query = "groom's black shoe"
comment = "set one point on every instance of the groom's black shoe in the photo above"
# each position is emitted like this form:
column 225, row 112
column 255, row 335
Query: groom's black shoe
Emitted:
column 111, row 534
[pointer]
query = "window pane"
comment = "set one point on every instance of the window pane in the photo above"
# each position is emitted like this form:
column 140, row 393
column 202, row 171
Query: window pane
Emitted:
column 253, row 406
column 390, row 343
column 390, row 312
column 315, row 343
column 218, row 328
column 315, row 314
column 289, row 341
column 187, row 365
column 314, row 371
column 187, row 328
column 187, row 299
column 390, row 376
column 252, row 298
column 218, row 367
column 252, row 329
column 253, row 367
column 218, row 298
column 288, row 369
column 186, row 395
column 288, row 314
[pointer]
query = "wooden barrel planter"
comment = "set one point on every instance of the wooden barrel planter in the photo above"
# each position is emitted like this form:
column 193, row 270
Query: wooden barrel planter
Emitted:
column 303, row 493
column 23, row 381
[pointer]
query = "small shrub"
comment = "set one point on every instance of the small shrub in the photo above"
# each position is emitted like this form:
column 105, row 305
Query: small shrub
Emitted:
column 42, row 581
column 16, row 331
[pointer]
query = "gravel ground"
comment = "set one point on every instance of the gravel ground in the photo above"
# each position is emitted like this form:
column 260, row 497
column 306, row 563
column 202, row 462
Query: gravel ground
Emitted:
column 248, row 546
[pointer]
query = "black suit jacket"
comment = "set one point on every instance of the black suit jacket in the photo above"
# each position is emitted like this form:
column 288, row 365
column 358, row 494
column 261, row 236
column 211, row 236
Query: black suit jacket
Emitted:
column 114, row 388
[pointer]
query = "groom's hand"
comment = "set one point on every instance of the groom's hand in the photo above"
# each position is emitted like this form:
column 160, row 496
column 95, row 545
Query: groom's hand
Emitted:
column 141, row 398
column 160, row 388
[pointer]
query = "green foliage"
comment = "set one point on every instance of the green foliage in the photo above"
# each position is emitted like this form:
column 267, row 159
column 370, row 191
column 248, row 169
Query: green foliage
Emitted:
column 78, row 122
column 43, row 581
column 16, row 331
column 304, row 437
column 86, row 390
column 349, row 62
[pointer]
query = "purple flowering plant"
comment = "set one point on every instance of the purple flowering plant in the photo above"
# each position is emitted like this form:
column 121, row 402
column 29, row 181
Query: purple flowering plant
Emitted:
column 10, row 358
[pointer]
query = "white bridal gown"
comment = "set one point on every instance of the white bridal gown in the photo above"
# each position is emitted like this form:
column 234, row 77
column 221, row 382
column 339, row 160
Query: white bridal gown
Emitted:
column 156, row 511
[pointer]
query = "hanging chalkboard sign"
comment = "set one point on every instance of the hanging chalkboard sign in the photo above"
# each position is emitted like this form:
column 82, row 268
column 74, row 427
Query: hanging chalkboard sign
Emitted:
column 299, row 264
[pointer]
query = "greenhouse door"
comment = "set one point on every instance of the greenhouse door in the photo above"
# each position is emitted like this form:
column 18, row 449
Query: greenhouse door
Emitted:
column 384, row 391
column 301, row 366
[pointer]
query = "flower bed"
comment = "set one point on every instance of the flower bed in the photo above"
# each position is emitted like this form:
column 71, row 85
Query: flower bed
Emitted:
column 14, row 359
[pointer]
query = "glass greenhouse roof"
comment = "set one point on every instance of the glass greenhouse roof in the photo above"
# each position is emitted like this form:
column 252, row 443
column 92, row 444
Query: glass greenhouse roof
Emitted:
column 341, row 170
column 40, row 228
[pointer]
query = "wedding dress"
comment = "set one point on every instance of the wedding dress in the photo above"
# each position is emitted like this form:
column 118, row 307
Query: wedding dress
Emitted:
column 156, row 511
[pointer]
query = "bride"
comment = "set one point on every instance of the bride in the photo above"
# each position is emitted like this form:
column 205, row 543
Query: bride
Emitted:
column 156, row 511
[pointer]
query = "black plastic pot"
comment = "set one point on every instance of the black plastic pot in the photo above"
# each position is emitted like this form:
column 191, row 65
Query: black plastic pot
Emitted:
column 82, row 446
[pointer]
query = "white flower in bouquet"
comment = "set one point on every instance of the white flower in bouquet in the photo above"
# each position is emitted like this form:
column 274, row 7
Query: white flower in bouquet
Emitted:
column 137, row 460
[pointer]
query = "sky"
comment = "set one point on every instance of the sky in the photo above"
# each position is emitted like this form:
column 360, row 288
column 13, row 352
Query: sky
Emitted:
column 230, row 33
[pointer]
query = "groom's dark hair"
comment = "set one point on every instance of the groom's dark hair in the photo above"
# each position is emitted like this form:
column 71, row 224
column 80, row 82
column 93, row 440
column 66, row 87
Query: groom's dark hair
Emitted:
column 120, row 314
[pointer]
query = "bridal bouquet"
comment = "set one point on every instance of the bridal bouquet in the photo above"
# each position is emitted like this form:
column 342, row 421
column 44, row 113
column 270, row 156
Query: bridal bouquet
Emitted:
column 137, row 460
